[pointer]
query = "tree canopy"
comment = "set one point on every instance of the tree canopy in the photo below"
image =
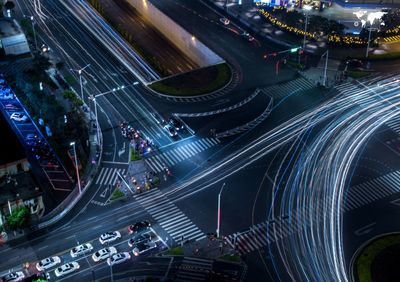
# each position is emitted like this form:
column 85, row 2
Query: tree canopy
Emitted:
column 20, row 218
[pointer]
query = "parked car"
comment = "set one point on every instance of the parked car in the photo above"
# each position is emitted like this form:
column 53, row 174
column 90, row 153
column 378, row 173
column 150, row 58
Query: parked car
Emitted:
column 139, row 227
column 81, row 250
column 66, row 268
column 139, row 238
column 20, row 117
column 118, row 258
column 143, row 247
column 12, row 107
column 6, row 96
column 109, row 237
column 13, row 276
column 47, row 263
column 171, row 130
column 104, row 253
column 225, row 21
column 177, row 124
column 31, row 136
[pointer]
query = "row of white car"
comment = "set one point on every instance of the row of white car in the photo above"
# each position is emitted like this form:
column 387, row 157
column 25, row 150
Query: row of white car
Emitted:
column 141, row 242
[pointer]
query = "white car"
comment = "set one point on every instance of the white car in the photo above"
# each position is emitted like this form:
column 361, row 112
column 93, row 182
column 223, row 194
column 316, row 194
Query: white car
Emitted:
column 47, row 263
column 225, row 21
column 66, row 268
column 118, row 258
column 6, row 96
column 104, row 253
column 109, row 237
column 21, row 117
column 13, row 276
column 143, row 247
column 81, row 250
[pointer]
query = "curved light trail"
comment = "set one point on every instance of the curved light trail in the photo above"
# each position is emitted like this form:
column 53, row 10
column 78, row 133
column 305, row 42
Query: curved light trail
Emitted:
column 316, row 182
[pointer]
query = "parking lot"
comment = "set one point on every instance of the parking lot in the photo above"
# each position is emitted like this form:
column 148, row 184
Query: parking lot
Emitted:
column 37, row 147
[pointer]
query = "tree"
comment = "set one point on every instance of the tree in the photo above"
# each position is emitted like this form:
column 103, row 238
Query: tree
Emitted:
column 391, row 18
column 20, row 218
column 9, row 5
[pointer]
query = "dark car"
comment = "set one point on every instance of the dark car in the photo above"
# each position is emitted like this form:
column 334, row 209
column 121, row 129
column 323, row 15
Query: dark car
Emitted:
column 354, row 63
column 247, row 36
column 139, row 238
column 177, row 124
column 139, row 227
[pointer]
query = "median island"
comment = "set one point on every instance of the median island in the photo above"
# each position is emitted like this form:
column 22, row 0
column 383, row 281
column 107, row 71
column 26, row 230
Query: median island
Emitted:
column 379, row 260
column 194, row 83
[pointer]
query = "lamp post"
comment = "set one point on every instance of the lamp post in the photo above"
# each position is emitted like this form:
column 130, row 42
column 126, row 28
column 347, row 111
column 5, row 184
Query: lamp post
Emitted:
column 307, row 8
column 80, row 78
column 369, row 40
column 93, row 98
column 219, row 210
column 33, row 29
column 76, row 166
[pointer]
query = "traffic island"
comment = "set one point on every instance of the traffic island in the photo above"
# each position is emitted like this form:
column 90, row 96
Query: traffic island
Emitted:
column 195, row 83
column 378, row 260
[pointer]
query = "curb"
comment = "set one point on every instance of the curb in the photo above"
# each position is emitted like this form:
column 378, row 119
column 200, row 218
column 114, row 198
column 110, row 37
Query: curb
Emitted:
column 360, row 248
column 206, row 96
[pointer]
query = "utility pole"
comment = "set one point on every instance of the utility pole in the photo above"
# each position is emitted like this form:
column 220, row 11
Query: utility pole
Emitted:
column 369, row 40
column 326, row 66
column 307, row 8
column 219, row 210
column 76, row 167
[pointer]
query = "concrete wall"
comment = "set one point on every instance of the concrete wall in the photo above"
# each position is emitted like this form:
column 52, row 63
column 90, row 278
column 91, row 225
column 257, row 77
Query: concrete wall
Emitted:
column 182, row 39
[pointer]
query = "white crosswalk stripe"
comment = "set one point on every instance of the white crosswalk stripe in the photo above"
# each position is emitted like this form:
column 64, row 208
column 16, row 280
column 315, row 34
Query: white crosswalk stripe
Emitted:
column 169, row 216
column 179, row 154
column 360, row 195
column 282, row 90
column 194, row 269
column 372, row 190
column 108, row 175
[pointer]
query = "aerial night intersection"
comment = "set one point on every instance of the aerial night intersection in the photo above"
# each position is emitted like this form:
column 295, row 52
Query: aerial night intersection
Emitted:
column 199, row 140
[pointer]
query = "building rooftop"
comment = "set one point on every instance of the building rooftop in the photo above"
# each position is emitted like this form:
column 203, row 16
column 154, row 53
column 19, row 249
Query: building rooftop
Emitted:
column 9, row 28
column 10, row 146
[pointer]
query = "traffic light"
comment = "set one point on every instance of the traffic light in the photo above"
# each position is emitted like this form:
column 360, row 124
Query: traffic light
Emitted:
column 265, row 56
column 274, row 54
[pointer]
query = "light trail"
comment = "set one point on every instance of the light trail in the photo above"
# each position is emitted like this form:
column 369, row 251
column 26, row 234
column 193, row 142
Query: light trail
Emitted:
column 315, row 185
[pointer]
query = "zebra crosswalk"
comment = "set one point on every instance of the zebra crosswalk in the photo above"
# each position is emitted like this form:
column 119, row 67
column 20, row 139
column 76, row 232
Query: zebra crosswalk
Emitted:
column 370, row 191
column 194, row 269
column 282, row 90
column 169, row 216
column 394, row 124
column 258, row 236
column 180, row 153
column 109, row 175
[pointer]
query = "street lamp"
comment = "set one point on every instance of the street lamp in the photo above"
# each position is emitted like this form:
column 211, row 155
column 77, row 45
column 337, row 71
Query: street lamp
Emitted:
column 33, row 28
column 219, row 210
column 76, row 167
column 369, row 40
column 307, row 8
column 80, row 78
column 93, row 98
